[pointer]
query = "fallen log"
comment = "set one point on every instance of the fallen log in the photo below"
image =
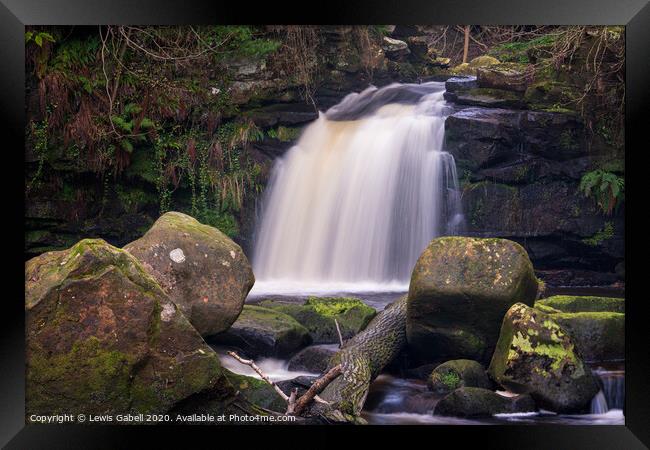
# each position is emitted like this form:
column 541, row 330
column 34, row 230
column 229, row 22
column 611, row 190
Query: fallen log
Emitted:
column 362, row 359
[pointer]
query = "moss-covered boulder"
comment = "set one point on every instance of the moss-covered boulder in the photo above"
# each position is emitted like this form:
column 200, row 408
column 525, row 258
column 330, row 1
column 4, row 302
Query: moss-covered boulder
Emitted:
column 508, row 76
column 595, row 324
column 578, row 303
column 460, row 289
column 102, row 337
column 458, row 373
column 471, row 67
column 257, row 391
column 313, row 359
column 318, row 314
column 478, row 402
column 203, row 271
column 262, row 331
column 536, row 355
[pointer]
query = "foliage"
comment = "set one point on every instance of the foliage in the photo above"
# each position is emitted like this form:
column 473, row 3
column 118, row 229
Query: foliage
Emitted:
column 606, row 188
column 606, row 233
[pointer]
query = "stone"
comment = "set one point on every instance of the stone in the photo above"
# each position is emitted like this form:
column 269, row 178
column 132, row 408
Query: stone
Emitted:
column 264, row 332
column 478, row 402
column 460, row 289
column 103, row 338
column 313, row 359
column 458, row 373
column 203, row 271
column 536, row 355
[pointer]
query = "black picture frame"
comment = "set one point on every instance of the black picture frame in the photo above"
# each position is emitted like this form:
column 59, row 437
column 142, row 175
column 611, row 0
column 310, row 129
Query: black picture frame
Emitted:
column 15, row 14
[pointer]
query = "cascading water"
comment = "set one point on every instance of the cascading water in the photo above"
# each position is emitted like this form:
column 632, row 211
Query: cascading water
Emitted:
column 356, row 200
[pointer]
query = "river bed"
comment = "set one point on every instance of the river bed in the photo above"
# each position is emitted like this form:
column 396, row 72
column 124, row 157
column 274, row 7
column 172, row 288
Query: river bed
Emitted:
column 402, row 401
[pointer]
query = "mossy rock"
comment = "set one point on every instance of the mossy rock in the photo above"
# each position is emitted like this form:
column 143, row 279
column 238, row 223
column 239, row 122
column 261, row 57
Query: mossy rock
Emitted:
column 471, row 67
column 552, row 96
column 596, row 324
column 102, row 337
column 257, row 391
column 479, row 402
column 458, row 373
column 536, row 355
column 460, row 289
column 318, row 314
column 202, row 270
column 507, row 76
column 578, row 303
column 260, row 331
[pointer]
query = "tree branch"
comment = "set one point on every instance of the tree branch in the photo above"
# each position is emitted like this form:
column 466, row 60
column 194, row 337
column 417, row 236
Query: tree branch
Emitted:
column 316, row 388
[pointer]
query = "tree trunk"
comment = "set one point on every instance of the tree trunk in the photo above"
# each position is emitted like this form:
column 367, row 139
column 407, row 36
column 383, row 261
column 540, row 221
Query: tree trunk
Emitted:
column 466, row 48
column 362, row 359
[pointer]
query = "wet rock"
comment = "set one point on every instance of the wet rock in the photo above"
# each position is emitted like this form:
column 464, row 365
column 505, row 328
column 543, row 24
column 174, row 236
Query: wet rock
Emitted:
column 456, row 84
column 318, row 314
column 481, row 137
column 205, row 273
column 102, row 337
column 459, row 291
column 536, row 355
column 314, row 359
column 458, row 373
column 261, row 331
column 478, row 402
column 489, row 98
column 302, row 383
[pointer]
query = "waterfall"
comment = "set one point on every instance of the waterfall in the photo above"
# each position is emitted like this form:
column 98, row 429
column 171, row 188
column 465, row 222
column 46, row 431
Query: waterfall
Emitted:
column 612, row 393
column 352, row 205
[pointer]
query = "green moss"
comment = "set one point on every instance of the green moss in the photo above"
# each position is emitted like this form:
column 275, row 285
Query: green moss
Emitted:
column 86, row 373
column 318, row 314
column 575, row 303
column 257, row 391
column 600, row 236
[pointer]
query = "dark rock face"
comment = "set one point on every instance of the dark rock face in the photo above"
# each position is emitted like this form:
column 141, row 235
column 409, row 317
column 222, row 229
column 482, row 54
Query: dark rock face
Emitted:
column 263, row 332
column 536, row 355
column 102, row 337
column 314, row 359
column 520, row 172
column 459, row 291
column 478, row 402
column 205, row 273
column 458, row 373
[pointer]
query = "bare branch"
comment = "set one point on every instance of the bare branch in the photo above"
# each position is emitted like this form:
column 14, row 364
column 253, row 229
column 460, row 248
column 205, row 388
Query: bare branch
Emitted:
column 250, row 363
column 316, row 388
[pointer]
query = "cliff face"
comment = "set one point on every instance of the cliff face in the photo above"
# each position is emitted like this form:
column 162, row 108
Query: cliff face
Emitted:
column 521, row 143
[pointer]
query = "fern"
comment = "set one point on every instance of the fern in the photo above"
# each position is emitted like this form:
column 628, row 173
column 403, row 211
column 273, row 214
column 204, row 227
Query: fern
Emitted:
column 606, row 188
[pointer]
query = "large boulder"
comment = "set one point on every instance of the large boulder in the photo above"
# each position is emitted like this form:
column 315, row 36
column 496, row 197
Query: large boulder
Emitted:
column 536, row 355
column 204, row 272
column 264, row 332
column 395, row 49
column 595, row 324
column 458, row 373
column 459, row 291
column 318, row 315
column 313, row 359
column 102, row 337
column 478, row 402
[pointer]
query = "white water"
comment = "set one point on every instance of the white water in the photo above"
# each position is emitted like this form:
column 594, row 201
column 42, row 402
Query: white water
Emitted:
column 365, row 189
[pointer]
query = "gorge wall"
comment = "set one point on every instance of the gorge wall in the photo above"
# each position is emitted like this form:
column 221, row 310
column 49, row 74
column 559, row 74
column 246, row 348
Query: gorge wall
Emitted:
column 521, row 144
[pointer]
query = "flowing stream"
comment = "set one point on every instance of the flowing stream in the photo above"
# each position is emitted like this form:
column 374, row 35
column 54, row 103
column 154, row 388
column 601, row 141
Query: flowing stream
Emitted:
column 352, row 205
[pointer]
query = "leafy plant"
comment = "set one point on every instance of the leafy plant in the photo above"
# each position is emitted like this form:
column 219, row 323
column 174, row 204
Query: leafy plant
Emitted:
column 606, row 188
column 606, row 233
column 38, row 37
